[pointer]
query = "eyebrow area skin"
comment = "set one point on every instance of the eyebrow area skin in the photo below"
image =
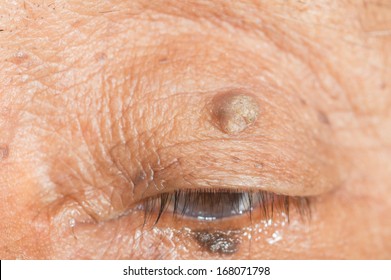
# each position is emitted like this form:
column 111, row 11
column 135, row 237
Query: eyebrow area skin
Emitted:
column 119, row 110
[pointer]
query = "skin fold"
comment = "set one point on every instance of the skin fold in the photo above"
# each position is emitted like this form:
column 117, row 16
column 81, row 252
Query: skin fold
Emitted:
column 106, row 103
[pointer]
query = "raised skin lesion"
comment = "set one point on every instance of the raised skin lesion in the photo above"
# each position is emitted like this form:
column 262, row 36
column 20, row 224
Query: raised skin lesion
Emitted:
column 235, row 111
column 200, row 157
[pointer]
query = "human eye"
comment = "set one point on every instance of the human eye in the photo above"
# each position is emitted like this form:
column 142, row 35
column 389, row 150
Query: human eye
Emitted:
column 214, row 205
column 194, row 130
column 234, row 193
column 220, row 221
column 184, row 148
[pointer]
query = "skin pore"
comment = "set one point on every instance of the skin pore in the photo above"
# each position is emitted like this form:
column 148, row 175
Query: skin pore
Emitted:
column 105, row 105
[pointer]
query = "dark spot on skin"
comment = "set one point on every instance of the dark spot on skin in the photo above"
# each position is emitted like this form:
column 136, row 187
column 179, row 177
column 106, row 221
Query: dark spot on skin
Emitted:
column 163, row 60
column 19, row 58
column 235, row 159
column 323, row 118
column 4, row 152
column 218, row 242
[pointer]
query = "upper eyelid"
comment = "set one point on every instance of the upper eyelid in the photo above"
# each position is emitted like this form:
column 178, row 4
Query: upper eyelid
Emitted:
column 246, row 169
column 284, row 161
column 193, row 172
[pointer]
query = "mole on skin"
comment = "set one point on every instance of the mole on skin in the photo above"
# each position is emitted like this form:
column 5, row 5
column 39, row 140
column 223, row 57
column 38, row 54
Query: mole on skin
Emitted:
column 235, row 111
column 218, row 241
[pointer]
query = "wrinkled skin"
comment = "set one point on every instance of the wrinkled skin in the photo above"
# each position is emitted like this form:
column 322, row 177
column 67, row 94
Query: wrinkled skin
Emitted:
column 104, row 103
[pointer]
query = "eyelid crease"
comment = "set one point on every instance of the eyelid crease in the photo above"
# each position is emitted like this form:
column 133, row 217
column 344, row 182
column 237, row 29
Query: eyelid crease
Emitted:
column 259, row 163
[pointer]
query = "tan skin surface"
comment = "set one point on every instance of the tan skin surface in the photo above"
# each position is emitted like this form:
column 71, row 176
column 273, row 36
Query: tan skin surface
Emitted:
column 106, row 103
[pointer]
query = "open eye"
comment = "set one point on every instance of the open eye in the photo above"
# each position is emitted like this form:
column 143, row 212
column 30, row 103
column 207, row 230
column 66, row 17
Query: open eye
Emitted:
column 213, row 205
column 221, row 221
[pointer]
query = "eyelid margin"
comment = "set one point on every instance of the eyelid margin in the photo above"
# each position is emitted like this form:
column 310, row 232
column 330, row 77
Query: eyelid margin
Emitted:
column 268, row 203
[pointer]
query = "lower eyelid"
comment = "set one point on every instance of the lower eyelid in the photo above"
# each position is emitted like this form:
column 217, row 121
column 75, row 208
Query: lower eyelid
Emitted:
column 225, row 238
column 233, row 235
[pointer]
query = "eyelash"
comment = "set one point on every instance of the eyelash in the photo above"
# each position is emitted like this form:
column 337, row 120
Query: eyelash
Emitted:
column 181, row 203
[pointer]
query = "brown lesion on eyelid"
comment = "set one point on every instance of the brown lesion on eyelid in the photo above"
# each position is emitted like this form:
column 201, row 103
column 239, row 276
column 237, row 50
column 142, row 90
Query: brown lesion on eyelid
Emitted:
column 234, row 111
column 217, row 241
